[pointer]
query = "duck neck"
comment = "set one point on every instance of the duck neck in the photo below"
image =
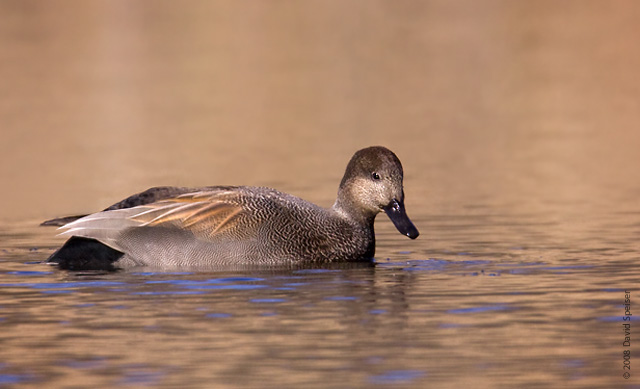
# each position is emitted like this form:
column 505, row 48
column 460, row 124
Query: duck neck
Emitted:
column 346, row 207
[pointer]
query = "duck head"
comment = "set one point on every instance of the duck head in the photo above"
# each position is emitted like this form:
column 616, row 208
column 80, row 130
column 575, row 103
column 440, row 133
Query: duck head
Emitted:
column 372, row 183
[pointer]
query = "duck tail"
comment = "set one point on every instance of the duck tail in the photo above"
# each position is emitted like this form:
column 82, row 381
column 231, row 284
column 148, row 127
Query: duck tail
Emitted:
column 61, row 221
column 80, row 253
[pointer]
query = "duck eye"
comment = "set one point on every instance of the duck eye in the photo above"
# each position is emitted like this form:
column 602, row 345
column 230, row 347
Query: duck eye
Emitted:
column 375, row 176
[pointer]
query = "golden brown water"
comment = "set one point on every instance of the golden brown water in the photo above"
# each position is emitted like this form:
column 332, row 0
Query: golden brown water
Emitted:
column 517, row 124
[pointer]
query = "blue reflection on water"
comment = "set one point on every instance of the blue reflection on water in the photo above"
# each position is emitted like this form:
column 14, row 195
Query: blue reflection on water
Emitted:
column 239, row 279
column 185, row 286
column 573, row 363
column 396, row 377
column 152, row 273
column 63, row 285
column 450, row 325
column 315, row 271
column 12, row 378
column 232, row 286
column 169, row 292
column 218, row 315
column 486, row 308
column 97, row 362
column 268, row 301
column 619, row 318
column 432, row 264
column 6, row 379
column 212, row 284
column 341, row 298
column 418, row 264
column 29, row 273
column 141, row 377
column 568, row 267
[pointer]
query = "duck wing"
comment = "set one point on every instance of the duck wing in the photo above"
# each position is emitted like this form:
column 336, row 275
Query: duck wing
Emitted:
column 148, row 196
column 207, row 214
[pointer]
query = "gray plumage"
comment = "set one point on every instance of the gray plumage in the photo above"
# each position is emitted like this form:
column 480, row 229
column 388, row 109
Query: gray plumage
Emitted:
column 243, row 225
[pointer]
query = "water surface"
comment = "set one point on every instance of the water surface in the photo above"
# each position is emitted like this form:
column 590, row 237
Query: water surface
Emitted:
column 517, row 124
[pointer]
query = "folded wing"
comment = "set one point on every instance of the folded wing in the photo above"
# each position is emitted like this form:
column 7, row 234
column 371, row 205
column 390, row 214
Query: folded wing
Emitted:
column 207, row 214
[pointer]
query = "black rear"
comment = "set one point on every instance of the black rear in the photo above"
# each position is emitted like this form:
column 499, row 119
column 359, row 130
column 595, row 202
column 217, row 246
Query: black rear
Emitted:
column 79, row 253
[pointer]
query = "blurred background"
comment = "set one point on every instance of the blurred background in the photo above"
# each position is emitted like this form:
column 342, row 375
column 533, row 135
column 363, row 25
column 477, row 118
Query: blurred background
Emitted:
column 515, row 103
column 517, row 125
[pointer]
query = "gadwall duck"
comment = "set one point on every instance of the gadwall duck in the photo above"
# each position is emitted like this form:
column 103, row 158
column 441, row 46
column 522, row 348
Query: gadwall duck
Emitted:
column 169, row 227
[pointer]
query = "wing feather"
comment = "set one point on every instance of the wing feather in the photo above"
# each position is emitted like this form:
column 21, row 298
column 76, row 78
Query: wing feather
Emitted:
column 206, row 214
column 168, row 213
